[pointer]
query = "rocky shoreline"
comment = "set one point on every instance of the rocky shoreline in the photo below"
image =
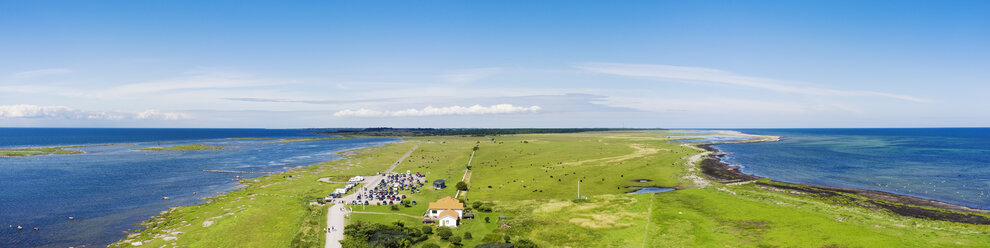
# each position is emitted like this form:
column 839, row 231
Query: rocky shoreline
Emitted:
column 905, row 205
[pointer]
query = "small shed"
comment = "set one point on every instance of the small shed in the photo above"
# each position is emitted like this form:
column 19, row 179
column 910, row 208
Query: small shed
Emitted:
column 439, row 184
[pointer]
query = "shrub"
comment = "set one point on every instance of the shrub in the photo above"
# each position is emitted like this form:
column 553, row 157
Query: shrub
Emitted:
column 467, row 235
column 487, row 219
column 394, row 208
column 495, row 245
column 444, row 233
column 506, row 237
column 485, row 208
column 431, row 246
column 380, row 235
column 427, row 230
column 455, row 239
column 525, row 243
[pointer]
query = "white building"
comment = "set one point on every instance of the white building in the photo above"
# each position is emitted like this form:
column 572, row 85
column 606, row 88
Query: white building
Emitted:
column 447, row 211
column 447, row 218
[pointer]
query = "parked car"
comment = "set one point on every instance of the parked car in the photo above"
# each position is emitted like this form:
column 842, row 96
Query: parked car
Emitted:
column 427, row 220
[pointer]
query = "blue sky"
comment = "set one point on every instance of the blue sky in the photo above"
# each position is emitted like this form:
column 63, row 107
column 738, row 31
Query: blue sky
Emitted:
column 683, row 64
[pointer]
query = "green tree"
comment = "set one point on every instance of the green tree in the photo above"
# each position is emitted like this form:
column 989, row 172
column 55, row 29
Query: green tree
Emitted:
column 467, row 235
column 427, row 230
column 455, row 239
column 462, row 186
column 506, row 237
column 406, row 203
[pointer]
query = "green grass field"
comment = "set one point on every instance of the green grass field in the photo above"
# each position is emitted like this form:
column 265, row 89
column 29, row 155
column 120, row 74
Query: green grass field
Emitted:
column 532, row 182
column 38, row 151
column 191, row 147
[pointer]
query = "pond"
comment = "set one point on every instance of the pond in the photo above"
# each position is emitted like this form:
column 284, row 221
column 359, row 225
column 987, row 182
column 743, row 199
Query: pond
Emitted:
column 650, row 190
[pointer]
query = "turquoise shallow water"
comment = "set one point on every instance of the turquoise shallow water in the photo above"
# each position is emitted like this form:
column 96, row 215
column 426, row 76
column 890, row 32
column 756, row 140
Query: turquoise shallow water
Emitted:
column 946, row 164
column 109, row 188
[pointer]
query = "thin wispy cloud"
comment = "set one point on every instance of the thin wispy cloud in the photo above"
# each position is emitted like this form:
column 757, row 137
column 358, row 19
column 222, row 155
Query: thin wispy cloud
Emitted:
column 39, row 73
column 734, row 105
column 63, row 112
column 471, row 75
column 195, row 81
column 434, row 111
column 670, row 72
column 190, row 81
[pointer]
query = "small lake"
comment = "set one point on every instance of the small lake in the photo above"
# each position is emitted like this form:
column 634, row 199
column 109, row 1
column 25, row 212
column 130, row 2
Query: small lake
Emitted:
column 650, row 190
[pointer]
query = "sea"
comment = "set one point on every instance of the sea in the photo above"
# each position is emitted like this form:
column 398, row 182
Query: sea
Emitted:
column 951, row 165
column 110, row 188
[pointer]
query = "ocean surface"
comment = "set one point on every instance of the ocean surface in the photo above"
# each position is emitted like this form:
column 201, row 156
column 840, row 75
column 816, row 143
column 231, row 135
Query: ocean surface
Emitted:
column 110, row 188
column 946, row 164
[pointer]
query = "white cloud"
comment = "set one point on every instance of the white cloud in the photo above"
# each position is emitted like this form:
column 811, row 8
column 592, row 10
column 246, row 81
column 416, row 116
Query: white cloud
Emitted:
column 434, row 111
column 724, row 77
column 62, row 112
column 39, row 73
column 471, row 75
column 153, row 114
column 33, row 111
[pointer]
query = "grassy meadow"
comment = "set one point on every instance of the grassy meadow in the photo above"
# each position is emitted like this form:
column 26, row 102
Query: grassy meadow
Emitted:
column 530, row 182
column 271, row 211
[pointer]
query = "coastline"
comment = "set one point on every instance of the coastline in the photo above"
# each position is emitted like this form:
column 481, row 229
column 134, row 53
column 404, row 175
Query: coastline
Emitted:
column 156, row 227
column 714, row 169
